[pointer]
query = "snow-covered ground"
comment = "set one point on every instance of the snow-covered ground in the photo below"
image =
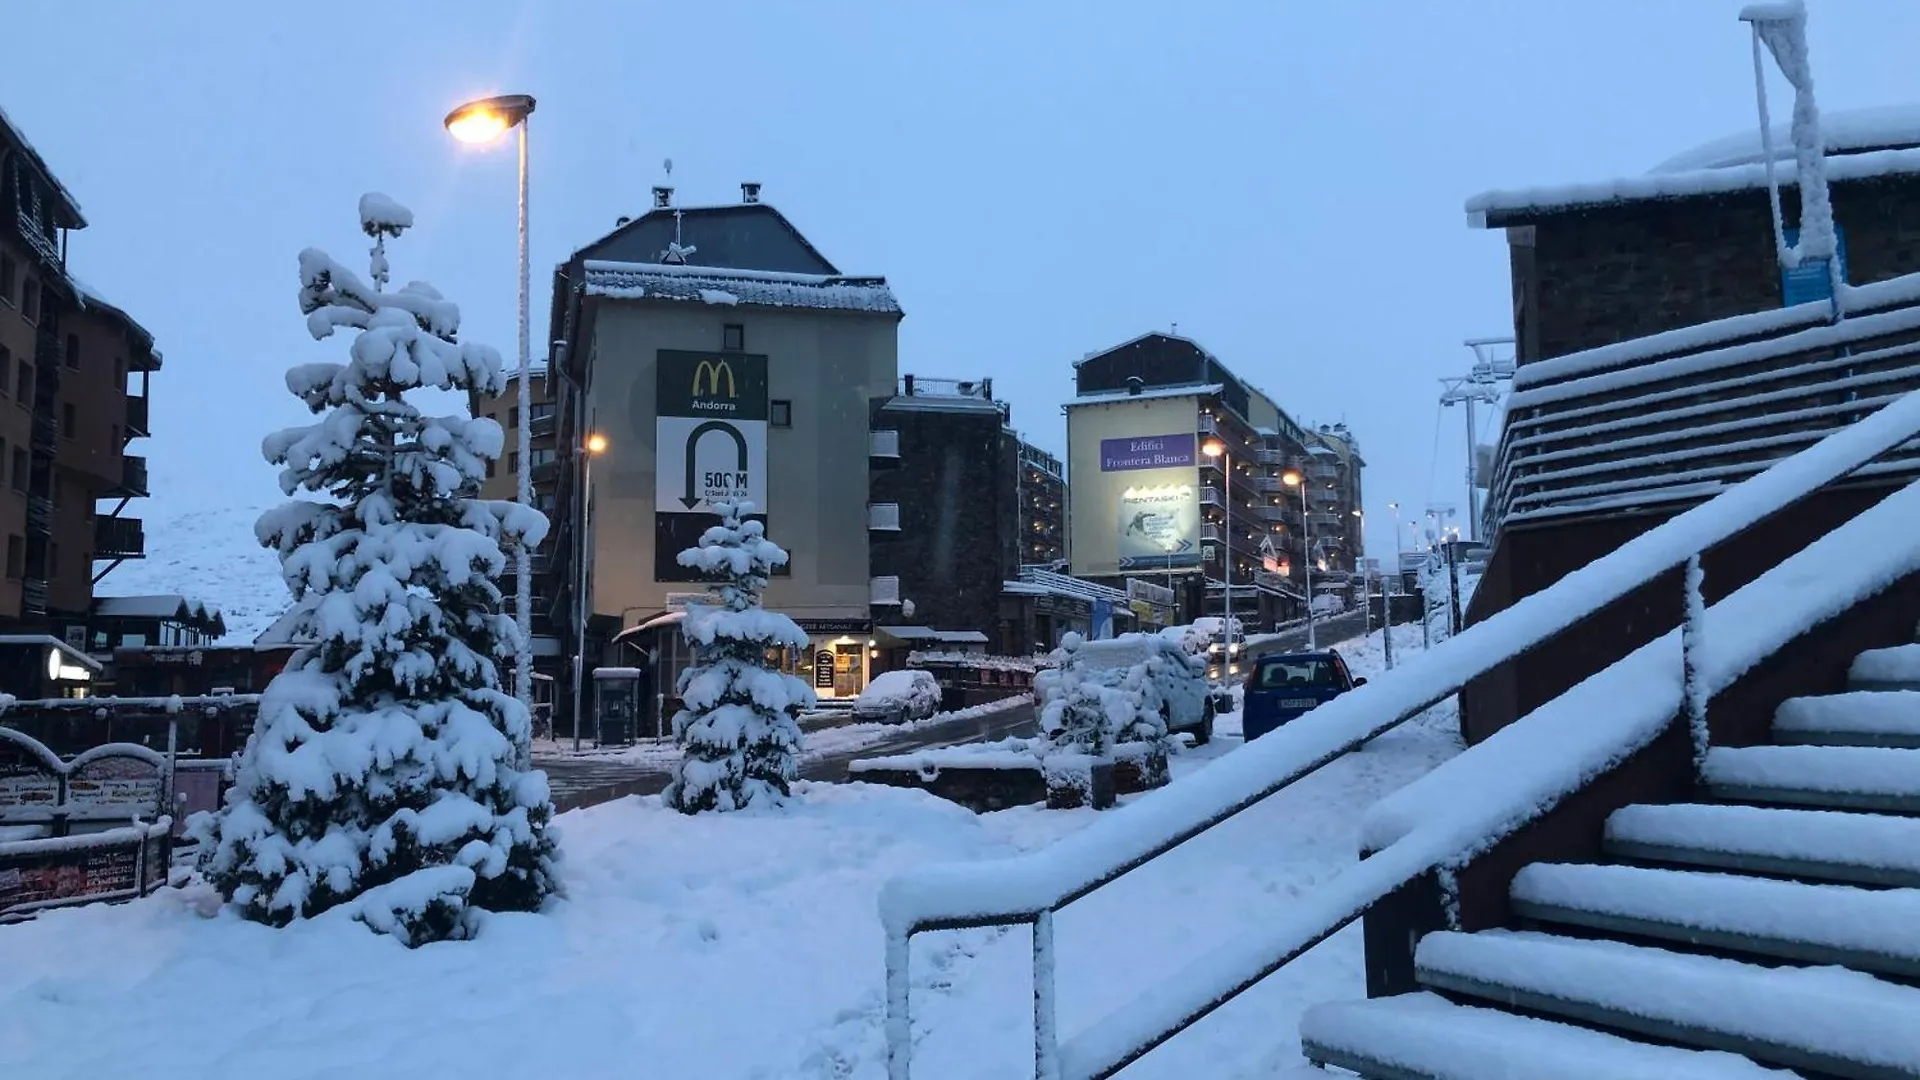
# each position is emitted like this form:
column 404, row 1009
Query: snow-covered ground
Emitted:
column 200, row 544
column 744, row 945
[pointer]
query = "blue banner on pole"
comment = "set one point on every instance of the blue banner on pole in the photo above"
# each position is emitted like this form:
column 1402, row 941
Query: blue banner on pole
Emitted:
column 1810, row 282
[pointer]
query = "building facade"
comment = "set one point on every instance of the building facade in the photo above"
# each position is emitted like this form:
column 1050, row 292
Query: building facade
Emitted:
column 717, row 353
column 74, row 373
column 1043, row 508
column 1148, row 503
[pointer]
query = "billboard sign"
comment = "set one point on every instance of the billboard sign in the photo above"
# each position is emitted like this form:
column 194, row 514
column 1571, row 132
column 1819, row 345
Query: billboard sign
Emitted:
column 710, row 444
column 1147, row 452
column 1159, row 527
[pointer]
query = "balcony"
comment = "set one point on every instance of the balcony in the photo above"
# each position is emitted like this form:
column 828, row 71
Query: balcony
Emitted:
column 1211, row 496
column 884, row 591
column 1269, row 484
column 133, row 478
column 46, row 430
column 39, row 514
column 118, row 538
column 33, row 596
column 1213, row 534
column 1208, row 425
column 136, row 426
column 883, row 517
column 540, row 425
column 883, row 444
column 545, row 472
column 1266, row 456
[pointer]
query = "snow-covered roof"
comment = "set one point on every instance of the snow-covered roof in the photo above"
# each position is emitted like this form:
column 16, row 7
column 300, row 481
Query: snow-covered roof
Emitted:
column 1105, row 397
column 1496, row 208
column 90, row 297
column 1885, row 127
column 159, row 606
column 1044, row 583
column 758, row 288
column 19, row 136
column 49, row 641
column 280, row 634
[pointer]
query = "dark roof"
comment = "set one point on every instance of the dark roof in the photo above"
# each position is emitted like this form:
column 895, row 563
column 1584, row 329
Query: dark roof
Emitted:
column 69, row 208
column 743, row 236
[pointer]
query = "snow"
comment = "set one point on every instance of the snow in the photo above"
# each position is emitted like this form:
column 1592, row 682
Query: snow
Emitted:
column 1109, row 397
column 1875, row 712
column 1012, row 753
column 1878, row 127
column 662, row 911
column 1841, row 917
column 709, row 284
column 1430, row 1036
column 1829, row 1011
column 1677, row 185
column 381, row 213
column 1859, row 840
column 717, row 296
column 1898, row 664
column 912, row 693
column 1856, row 770
column 1556, row 749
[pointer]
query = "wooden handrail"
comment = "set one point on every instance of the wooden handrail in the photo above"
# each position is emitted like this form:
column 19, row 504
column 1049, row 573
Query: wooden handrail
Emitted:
column 1030, row 888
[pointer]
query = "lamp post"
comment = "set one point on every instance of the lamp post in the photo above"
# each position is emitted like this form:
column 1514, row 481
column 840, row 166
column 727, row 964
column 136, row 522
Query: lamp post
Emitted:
column 596, row 444
column 1214, row 448
column 1296, row 478
column 483, row 121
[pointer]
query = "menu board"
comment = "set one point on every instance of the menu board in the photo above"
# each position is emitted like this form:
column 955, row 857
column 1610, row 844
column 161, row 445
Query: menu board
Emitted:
column 47, row 876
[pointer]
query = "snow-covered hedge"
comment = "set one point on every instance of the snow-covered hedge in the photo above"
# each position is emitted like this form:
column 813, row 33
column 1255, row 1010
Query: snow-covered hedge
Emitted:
column 1120, row 690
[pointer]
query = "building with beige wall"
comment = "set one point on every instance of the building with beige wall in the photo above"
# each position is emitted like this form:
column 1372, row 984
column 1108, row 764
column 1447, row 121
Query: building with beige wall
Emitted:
column 718, row 353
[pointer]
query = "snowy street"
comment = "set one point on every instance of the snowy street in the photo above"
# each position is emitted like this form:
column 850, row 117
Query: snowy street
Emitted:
column 738, row 945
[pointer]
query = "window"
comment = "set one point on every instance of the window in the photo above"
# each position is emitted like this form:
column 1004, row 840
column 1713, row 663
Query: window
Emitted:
column 76, row 637
column 541, row 410
column 540, row 455
column 16, row 558
column 490, row 469
column 781, row 413
column 733, row 337
column 513, row 418
column 23, row 386
column 69, row 419
column 73, row 352
column 30, row 300
column 9, row 270
column 513, row 461
column 20, row 464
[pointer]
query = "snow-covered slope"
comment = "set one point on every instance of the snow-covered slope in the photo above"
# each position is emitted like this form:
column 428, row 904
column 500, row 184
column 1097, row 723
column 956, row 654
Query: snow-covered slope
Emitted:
column 200, row 544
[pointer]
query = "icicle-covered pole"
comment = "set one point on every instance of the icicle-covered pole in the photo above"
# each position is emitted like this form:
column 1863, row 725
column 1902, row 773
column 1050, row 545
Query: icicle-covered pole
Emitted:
column 1782, row 26
column 522, row 556
column 1693, row 683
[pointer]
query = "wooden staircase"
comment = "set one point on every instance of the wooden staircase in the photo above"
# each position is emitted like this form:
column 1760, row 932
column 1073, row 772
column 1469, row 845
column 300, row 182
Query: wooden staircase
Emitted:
column 1773, row 925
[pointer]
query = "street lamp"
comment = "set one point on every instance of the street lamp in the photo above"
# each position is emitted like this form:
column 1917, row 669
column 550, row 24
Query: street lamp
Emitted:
column 1295, row 478
column 595, row 445
column 483, row 121
column 1214, row 448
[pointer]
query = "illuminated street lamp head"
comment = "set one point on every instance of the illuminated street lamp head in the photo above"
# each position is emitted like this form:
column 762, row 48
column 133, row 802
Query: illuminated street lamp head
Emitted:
column 487, row 119
column 596, row 443
column 1291, row 478
column 1213, row 448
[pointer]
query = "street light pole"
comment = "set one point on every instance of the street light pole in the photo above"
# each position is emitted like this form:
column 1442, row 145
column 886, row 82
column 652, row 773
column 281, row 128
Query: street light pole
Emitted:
column 1306, row 563
column 1217, row 448
column 594, row 444
column 483, row 121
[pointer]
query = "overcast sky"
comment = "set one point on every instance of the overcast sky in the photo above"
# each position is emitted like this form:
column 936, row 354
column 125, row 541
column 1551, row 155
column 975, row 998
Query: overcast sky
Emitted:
column 1037, row 180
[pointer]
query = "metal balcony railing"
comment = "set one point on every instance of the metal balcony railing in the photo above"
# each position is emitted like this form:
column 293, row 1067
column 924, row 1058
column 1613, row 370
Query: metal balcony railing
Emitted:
column 133, row 476
column 39, row 514
column 33, row 596
column 137, row 419
column 119, row 538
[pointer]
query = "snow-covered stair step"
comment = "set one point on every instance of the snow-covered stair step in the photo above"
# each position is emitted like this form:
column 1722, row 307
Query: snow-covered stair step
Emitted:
column 1897, row 668
column 1856, row 718
column 1427, row 1037
column 1816, row 845
column 1872, row 930
column 1842, row 777
column 1828, row 1020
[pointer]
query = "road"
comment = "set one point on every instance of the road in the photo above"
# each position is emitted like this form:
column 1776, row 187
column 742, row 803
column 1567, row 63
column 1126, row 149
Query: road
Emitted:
column 1329, row 631
column 587, row 781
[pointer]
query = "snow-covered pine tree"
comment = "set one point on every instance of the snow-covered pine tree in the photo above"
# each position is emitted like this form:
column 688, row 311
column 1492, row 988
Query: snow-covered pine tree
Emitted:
column 1076, row 713
column 739, row 728
column 385, row 770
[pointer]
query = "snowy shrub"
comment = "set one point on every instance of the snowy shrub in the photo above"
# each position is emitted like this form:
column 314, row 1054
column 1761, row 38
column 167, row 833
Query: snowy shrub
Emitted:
column 739, row 729
column 388, row 769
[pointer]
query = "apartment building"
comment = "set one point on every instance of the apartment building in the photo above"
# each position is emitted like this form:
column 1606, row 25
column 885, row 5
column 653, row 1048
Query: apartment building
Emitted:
column 74, row 373
column 1043, row 508
column 1149, row 502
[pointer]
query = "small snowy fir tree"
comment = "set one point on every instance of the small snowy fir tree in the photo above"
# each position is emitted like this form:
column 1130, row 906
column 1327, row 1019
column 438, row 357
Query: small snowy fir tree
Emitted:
column 1076, row 716
column 739, row 730
column 387, row 769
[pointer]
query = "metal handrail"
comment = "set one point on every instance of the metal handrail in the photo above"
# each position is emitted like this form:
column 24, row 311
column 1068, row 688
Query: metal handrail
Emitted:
column 1030, row 889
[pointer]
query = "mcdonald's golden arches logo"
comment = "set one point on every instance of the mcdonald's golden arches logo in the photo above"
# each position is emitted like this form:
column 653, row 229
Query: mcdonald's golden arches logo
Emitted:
column 712, row 370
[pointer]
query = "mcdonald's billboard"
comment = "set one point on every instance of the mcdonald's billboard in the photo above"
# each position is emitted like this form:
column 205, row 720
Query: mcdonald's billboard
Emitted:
column 712, row 386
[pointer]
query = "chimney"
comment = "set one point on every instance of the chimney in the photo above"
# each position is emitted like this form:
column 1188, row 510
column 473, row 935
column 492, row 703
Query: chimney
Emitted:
column 662, row 196
column 907, row 382
column 749, row 191
column 621, row 221
column 1135, row 384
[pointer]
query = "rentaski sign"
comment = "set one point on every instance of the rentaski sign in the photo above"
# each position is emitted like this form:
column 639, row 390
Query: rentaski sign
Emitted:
column 1147, row 452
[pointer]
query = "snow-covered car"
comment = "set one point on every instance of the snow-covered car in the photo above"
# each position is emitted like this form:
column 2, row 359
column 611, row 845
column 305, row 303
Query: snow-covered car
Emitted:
column 896, row 697
column 1328, row 604
column 1178, row 687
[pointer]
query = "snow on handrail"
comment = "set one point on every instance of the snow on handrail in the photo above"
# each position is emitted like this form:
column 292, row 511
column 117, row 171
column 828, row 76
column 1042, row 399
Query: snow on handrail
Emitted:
column 1023, row 887
column 1472, row 800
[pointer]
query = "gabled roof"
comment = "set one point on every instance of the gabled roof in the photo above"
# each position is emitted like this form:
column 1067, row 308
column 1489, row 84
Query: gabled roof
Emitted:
column 741, row 236
column 90, row 299
column 157, row 606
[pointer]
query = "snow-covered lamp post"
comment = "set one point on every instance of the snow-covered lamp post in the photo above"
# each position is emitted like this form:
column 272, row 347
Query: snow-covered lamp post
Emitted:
column 483, row 121
column 1781, row 26
column 1296, row 478
column 1216, row 448
column 595, row 445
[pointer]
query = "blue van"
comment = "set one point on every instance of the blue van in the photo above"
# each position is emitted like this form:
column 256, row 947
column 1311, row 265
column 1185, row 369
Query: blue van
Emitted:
column 1283, row 686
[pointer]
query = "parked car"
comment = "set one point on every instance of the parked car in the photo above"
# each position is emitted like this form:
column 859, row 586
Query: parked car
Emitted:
column 1328, row 604
column 896, row 697
column 1282, row 687
column 1184, row 698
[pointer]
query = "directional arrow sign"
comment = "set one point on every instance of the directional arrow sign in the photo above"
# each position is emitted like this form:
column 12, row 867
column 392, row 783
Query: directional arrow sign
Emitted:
column 699, row 460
